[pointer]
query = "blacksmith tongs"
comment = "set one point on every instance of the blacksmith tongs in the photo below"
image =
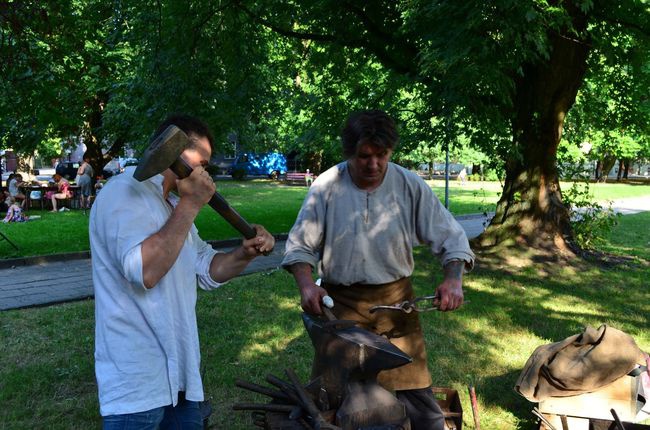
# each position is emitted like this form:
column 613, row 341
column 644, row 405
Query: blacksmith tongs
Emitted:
column 418, row 304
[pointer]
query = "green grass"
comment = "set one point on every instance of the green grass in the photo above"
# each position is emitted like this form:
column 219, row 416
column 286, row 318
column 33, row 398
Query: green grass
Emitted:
column 251, row 327
column 603, row 192
column 261, row 202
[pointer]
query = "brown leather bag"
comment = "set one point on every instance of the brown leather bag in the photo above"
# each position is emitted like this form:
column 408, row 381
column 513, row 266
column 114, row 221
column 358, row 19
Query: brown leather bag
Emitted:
column 579, row 364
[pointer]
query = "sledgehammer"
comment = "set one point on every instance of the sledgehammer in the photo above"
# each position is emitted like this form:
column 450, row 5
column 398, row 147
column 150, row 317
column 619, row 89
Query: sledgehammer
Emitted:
column 164, row 153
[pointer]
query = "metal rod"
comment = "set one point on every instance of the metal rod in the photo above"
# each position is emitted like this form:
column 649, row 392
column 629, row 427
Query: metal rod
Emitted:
column 619, row 424
column 285, row 387
column 305, row 401
column 262, row 407
column 261, row 390
column 546, row 422
column 472, row 396
column 308, row 404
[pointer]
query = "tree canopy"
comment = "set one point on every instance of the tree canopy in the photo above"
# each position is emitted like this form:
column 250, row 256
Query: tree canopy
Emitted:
column 501, row 76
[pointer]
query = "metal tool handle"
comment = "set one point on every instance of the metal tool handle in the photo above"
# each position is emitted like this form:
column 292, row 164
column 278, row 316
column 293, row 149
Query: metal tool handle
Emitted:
column 617, row 420
column 217, row 202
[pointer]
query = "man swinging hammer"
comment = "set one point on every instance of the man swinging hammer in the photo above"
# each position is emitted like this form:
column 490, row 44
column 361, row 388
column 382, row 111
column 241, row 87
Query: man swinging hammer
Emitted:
column 147, row 262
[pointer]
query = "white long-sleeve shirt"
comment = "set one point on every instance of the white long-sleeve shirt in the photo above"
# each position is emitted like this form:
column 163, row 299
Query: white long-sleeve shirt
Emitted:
column 146, row 340
column 354, row 236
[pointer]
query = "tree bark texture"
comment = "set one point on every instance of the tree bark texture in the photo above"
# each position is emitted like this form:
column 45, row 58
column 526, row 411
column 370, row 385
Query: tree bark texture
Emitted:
column 606, row 164
column 92, row 134
column 530, row 210
column 620, row 171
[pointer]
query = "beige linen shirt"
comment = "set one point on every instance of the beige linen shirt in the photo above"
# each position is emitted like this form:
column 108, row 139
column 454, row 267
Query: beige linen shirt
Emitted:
column 354, row 236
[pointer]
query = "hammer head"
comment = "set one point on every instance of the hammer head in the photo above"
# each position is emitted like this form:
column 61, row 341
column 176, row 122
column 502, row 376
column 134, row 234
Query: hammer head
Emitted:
column 161, row 153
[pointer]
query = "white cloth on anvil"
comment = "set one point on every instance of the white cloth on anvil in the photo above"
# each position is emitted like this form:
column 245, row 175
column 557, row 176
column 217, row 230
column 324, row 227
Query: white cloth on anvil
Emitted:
column 146, row 340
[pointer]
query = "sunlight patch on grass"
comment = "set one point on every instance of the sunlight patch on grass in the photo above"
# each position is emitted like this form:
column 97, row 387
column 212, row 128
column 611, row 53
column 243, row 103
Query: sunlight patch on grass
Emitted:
column 289, row 304
column 269, row 341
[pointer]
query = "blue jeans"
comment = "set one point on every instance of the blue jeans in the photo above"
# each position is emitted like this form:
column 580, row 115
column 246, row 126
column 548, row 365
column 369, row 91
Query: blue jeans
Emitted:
column 185, row 416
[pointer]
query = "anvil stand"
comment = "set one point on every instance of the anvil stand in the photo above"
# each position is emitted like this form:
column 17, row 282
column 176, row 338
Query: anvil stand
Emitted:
column 344, row 394
column 347, row 361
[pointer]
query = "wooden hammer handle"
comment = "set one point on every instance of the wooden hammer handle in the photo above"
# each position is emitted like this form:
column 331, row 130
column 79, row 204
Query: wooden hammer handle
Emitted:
column 217, row 202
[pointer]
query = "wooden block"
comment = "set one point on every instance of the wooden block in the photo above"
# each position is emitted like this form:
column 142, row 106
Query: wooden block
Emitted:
column 620, row 395
column 449, row 402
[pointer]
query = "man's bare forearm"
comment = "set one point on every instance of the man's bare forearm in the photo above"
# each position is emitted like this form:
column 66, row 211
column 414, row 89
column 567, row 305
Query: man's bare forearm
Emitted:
column 454, row 270
column 160, row 250
column 302, row 274
column 228, row 265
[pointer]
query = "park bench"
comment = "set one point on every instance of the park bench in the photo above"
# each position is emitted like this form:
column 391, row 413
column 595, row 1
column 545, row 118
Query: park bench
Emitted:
column 297, row 178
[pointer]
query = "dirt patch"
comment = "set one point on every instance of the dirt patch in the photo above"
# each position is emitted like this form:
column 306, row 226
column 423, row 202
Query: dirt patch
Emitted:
column 547, row 255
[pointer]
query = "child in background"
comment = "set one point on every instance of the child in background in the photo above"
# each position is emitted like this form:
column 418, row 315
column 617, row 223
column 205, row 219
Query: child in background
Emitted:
column 15, row 212
column 99, row 184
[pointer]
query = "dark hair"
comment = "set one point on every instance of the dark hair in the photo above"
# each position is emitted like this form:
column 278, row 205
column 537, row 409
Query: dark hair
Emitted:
column 187, row 123
column 370, row 126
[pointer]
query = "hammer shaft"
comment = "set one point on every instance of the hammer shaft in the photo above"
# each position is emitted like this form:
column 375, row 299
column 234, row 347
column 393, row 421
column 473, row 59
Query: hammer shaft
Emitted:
column 217, row 202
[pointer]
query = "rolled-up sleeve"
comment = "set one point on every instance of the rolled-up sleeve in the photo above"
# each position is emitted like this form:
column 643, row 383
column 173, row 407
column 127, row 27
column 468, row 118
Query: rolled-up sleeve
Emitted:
column 132, row 264
column 205, row 254
column 306, row 236
column 127, row 236
column 441, row 232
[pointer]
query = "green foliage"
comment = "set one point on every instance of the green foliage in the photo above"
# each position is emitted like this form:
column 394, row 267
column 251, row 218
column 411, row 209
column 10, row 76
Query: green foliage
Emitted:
column 492, row 175
column 284, row 75
column 611, row 110
column 591, row 222
column 572, row 161
column 49, row 148
column 59, row 61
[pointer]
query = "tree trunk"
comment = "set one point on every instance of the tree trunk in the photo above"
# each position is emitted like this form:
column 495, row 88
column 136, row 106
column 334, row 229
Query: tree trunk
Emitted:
column 627, row 169
column 530, row 210
column 92, row 139
column 607, row 163
column 599, row 170
column 619, row 174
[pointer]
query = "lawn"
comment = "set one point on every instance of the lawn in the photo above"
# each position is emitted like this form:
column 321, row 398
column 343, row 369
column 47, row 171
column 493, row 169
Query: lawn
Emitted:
column 260, row 201
column 251, row 327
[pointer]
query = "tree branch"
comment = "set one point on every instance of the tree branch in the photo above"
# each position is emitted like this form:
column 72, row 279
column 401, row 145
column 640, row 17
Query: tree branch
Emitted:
column 377, row 44
column 284, row 31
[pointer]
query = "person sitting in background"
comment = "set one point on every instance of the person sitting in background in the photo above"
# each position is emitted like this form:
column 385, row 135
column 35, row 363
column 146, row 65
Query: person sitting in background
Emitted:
column 63, row 191
column 5, row 191
column 14, row 190
column 15, row 212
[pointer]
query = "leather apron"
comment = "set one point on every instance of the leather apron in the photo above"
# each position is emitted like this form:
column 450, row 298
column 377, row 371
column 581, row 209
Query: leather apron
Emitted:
column 352, row 302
